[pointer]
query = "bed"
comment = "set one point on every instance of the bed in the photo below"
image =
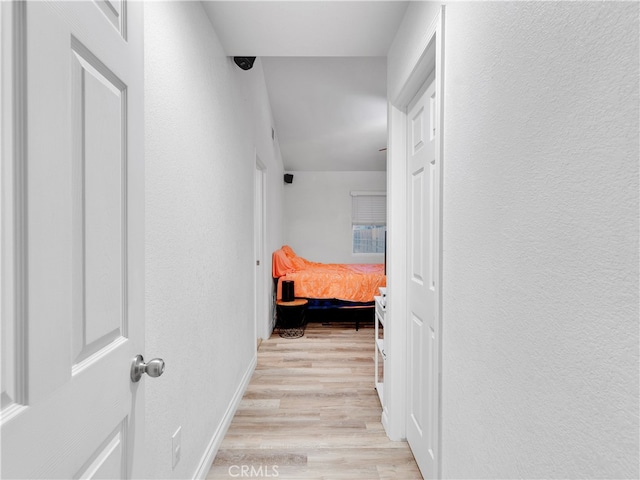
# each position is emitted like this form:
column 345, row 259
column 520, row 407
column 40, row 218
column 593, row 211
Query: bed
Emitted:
column 328, row 285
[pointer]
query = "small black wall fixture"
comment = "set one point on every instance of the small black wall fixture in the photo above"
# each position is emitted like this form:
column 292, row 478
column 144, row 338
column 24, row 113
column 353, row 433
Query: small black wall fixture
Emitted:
column 288, row 178
column 245, row 63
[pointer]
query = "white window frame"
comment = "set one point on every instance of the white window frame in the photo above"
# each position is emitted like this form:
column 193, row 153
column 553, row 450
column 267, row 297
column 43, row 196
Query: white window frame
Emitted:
column 363, row 214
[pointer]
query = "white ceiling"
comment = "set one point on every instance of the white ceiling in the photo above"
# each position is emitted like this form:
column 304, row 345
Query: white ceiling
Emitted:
column 330, row 112
column 325, row 69
column 306, row 28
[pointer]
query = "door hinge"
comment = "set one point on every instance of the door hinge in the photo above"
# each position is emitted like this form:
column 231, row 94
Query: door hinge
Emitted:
column 258, row 262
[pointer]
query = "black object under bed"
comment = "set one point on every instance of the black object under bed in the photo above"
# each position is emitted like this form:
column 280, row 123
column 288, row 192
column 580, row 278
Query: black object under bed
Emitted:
column 333, row 310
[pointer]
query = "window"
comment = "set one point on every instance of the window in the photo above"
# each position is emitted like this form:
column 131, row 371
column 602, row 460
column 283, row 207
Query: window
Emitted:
column 369, row 221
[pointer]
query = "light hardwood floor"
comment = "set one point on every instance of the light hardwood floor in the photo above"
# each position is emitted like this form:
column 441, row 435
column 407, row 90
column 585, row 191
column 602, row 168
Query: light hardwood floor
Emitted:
column 311, row 412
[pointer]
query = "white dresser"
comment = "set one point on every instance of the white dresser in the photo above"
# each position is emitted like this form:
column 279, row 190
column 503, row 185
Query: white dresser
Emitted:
column 380, row 354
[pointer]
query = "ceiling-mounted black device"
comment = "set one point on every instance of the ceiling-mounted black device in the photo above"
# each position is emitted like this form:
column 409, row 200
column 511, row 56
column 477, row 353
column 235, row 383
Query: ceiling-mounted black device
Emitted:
column 244, row 63
column 288, row 178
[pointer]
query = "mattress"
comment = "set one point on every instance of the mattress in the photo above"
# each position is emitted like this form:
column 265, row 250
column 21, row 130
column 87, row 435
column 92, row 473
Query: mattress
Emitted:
column 331, row 281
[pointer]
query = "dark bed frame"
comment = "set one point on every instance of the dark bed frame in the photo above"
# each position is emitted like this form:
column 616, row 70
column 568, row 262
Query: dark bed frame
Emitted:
column 319, row 305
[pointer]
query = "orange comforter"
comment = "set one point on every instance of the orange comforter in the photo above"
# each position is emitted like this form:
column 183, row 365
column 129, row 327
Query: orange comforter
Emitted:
column 351, row 282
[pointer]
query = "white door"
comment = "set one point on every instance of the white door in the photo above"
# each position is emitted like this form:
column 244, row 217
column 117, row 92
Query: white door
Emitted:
column 259, row 227
column 77, row 313
column 423, row 328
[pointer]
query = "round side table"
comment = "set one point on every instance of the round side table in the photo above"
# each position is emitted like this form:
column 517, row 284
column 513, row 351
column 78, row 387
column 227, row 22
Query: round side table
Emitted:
column 291, row 317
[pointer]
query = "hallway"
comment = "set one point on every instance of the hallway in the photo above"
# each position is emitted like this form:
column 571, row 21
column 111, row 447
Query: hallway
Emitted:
column 311, row 412
column 130, row 141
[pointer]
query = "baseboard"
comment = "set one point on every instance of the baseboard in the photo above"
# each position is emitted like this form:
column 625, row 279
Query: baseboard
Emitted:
column 221, row 431
column 384, row 419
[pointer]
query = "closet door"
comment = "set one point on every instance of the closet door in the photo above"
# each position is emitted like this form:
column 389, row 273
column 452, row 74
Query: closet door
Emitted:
column 423, row 330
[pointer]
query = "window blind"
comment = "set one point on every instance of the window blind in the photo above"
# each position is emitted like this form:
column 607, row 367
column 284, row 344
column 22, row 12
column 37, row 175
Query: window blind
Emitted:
column 369, row 208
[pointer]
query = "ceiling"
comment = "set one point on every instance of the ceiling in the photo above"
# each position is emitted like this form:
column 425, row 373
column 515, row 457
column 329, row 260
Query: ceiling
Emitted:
column 330, row 112
column 325, row 70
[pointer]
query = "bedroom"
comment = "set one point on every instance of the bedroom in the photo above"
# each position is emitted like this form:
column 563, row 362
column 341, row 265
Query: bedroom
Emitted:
column 329, row 114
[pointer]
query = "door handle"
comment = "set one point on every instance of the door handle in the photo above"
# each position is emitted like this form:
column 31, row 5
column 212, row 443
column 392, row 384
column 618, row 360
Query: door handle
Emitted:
column 154, row 368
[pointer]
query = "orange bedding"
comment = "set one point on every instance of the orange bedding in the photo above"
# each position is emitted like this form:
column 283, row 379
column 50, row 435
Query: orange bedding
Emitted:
column 350, row 282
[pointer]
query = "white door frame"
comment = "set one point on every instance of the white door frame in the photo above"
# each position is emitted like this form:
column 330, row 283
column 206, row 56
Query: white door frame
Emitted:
column 395, row 394
column 13, row 204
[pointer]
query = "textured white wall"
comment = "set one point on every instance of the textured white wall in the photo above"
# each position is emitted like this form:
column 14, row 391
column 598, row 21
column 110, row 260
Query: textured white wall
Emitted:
column 255, row 94
column 317, row 214
column 256, row 97
column 540, row 288
column 408, row 45
column 203, row 116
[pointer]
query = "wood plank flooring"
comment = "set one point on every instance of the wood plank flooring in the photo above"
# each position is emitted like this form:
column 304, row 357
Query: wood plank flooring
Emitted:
column 311, row 412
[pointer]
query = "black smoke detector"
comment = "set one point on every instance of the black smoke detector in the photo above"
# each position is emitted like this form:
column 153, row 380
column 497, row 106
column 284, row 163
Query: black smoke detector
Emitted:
column 244, row 63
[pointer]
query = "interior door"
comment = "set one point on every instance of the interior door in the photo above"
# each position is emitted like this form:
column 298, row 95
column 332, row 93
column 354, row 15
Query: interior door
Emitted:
column 260, row 287
column 423, row 329
column 71, row 409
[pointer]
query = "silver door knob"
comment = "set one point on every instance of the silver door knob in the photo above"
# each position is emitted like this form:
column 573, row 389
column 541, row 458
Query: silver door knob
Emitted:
column 154, row 368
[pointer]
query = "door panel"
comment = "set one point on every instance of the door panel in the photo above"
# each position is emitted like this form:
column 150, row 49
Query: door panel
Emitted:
column 109, row 460
column 422, row 411
column 99, row 201
column 81, row 416
column 416, row 379
column 260, row 310
column 432, row 216
column 417, row 227
column 431, row 401
column 116, row 13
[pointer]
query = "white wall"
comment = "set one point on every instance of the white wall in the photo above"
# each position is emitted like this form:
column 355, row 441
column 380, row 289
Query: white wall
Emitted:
column 255, row 96
column 540, row 236
column 317, row 212
column 404, row 54
column 541, row 241
column 203, row 122
column 408, row 45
